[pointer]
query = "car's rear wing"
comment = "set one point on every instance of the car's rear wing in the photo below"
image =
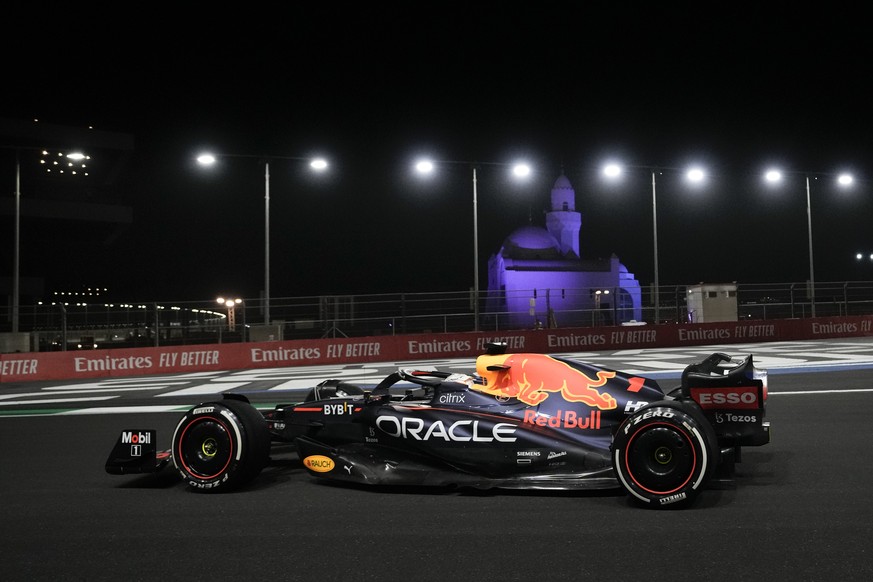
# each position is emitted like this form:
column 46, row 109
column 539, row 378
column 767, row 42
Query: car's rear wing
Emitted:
column 733, row 398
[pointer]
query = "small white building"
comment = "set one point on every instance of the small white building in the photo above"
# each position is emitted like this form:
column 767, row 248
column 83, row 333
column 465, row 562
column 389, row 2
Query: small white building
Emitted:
column 711, row 303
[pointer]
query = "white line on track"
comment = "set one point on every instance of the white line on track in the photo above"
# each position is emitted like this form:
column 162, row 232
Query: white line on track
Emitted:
column 121, row 410
column 204, row 389
column 56, row 400
column 796, row 392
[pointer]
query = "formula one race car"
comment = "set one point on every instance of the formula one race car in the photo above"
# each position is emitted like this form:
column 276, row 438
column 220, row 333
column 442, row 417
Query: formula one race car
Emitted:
column 520, row 421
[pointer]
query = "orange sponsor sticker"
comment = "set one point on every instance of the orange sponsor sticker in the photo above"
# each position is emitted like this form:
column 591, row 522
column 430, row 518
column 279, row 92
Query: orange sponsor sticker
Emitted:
column 319, row 463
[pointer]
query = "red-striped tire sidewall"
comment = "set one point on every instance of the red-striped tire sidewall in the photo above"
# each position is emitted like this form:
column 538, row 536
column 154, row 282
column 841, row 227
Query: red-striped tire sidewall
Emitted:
column 242, row 438
column 662, row 428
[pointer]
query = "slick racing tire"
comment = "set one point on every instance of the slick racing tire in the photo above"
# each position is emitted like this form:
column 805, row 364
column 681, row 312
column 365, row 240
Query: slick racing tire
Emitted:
column 220, row 446
column 663, row 456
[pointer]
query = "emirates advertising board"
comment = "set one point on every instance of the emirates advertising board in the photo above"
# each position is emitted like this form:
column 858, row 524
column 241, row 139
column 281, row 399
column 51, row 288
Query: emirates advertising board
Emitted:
column 34, row 366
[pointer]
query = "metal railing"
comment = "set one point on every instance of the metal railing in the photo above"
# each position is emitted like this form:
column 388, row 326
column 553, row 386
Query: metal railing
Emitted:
column 81, row 325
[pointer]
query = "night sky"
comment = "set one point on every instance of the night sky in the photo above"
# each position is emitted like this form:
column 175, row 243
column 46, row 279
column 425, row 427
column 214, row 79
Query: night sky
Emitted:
column 370, row 86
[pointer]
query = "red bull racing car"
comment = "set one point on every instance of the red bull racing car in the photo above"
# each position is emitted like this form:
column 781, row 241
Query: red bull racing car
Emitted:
column 520, row 421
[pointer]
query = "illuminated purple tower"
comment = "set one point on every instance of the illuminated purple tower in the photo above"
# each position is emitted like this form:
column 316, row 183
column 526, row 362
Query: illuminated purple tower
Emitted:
column 539, row 278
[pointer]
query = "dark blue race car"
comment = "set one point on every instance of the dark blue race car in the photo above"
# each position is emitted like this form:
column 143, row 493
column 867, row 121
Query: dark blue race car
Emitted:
column 520, row 421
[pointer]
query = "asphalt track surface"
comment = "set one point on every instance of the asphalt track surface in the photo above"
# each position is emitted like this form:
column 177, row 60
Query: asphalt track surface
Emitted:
column 800, row 509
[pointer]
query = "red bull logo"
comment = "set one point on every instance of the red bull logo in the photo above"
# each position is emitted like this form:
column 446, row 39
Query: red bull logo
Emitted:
column 532, row 377
column 564, row 419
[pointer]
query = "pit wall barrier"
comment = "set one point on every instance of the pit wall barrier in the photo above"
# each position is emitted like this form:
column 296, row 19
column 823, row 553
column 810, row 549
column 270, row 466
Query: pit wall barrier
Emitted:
column 117, row 363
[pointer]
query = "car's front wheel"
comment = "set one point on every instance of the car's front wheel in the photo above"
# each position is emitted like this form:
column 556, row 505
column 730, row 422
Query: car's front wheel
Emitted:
column 221, row 445
column 662, row 457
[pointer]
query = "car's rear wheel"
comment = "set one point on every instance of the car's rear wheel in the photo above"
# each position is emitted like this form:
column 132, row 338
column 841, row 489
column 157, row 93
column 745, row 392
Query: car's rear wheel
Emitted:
column 220, row 446
column 662, row 456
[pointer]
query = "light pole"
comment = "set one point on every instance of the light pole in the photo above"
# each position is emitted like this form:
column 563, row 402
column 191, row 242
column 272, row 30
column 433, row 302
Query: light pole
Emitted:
column 16, row 281
column 597, row 295
column 519, row 170
column 614, row 170
column 72, row 163
column 317, row 164
column 843, row 180
column 231, row 311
